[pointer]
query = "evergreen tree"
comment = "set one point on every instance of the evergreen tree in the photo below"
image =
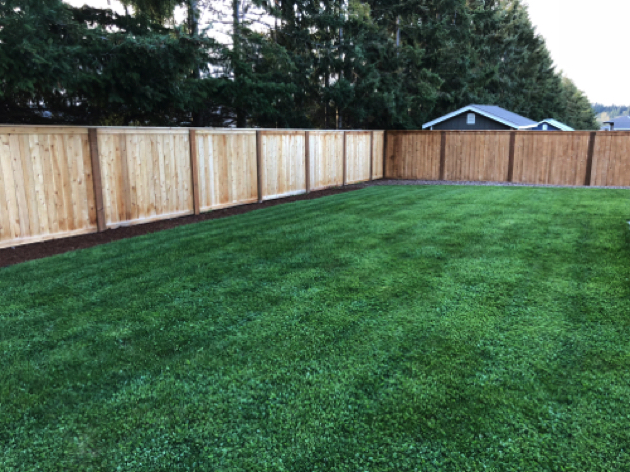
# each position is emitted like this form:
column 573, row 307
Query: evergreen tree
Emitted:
column 327, row 64
column 89, row 66
column 577, row 111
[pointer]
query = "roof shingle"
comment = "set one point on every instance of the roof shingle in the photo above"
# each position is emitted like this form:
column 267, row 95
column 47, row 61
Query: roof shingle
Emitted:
column 621, row 122
column 497, row 113
column 506, row 115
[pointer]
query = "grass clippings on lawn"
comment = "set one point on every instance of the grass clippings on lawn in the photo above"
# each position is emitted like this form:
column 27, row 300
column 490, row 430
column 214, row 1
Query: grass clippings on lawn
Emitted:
column 388, row 329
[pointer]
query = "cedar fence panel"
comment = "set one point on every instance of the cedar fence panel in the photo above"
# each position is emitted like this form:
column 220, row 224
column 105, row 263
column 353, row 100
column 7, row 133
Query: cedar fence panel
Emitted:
column 146, row 174
column 413, row 155
column 378, row 138
column 283, row 163
column 611, row 159
column 47, row 182
column 358, row 156
column 46, row 188
column 326, row 159
column 226, row 167
column 476, row 156
column 555, row 158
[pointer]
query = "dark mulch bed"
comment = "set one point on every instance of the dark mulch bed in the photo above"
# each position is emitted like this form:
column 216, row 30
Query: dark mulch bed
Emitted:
column 10, row 256
column 15, row 255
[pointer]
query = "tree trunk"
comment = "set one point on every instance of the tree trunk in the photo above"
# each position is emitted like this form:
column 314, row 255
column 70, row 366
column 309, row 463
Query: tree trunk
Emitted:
column 236, row 44
column 397, row 34
column 326, row 100
column 193, row 28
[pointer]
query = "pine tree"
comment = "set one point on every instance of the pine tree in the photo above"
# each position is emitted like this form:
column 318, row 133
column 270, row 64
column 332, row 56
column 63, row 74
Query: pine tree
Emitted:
column 327, row 64
column 90, row 66
column 578, row 112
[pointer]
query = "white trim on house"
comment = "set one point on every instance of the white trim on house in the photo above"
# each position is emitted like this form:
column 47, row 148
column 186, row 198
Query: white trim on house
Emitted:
column 465, row 109
column 551, row 122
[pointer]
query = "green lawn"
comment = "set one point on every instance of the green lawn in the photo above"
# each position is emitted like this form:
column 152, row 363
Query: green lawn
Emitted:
column 388, row 329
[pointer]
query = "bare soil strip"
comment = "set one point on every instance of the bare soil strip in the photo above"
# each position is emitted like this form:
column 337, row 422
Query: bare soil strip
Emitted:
column 15, row 255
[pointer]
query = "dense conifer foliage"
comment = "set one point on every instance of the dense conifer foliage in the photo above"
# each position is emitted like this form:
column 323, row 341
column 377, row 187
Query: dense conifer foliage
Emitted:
column 285, row 63
column 609, row 112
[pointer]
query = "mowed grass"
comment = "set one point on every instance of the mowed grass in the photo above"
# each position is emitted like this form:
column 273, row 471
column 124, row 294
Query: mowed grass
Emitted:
column 399, row 328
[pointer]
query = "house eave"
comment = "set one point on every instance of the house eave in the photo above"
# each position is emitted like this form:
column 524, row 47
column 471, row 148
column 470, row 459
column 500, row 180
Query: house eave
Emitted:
column 464, row 110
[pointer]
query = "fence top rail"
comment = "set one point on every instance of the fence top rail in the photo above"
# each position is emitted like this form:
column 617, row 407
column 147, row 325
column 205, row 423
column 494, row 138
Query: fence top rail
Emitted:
column 42, row 130
column 282, row 132
column 521, row 132
column 25, row 128
column 239, row 131
column 69, row 129
column 142, row 130
column 613, row 133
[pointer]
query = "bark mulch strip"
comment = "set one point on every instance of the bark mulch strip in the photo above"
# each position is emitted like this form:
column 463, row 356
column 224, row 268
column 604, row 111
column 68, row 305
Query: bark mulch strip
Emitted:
column 27, row 252
column 15, row 255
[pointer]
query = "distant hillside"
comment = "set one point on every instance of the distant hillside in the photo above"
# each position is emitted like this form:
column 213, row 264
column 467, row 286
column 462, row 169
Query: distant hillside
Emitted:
column 608, row 112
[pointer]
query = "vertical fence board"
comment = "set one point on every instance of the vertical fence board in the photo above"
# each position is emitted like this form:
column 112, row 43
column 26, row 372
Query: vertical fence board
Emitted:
column 377, row 154
column 307, row 161
column 95, row 191
column 9, row 214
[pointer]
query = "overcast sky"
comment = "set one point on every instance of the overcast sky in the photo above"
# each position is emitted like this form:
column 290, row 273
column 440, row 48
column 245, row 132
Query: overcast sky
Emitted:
column 587, row 41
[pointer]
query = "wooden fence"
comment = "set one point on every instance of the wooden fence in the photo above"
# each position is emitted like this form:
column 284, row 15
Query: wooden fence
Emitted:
column 557, row 158
column 58, row 182
column 63, row 181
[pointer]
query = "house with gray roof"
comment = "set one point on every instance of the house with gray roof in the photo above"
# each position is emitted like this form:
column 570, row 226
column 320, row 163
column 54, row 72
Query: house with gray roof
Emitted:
column 548, row 125
column 621, row 123
column 480, row 117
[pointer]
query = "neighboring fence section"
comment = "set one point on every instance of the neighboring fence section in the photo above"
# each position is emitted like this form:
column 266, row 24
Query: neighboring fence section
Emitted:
column 476, row 156
column 551, row 158
column 557, row 158
column 611, row 159
column 62, row 181
column 413, row 155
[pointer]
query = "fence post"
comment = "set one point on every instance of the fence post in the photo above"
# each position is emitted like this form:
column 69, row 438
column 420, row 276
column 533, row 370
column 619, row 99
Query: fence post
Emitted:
column 443, row 156
column 194, row 166
column 589, row 159
column 371, row 154
column 384, row 154
column 307, row 160
column 345, row 160
column 259, row 175
column 96, row 179
column 510, row 175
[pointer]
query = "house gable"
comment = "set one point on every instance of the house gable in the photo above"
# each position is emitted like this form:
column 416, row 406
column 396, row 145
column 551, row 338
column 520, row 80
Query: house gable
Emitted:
column 497, row 118
column 460, row 122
